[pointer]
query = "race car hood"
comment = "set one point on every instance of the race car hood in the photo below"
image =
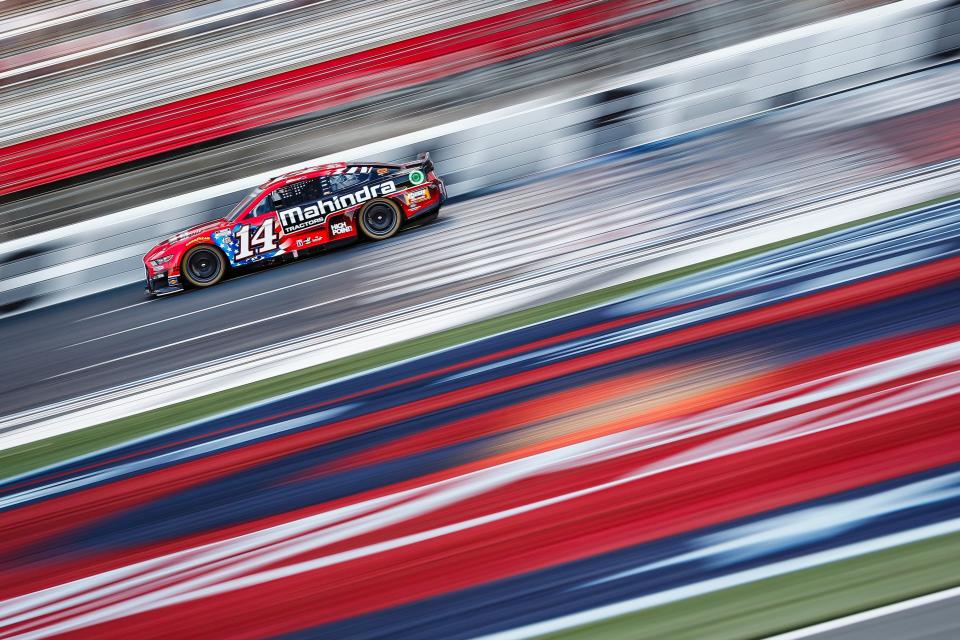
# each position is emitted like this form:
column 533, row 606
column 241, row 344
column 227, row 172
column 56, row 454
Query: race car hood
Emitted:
column 204, row 227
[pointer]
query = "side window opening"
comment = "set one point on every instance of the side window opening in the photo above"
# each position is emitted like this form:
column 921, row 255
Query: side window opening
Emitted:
column 300, row 192
column 265, row 206
column 348, row 181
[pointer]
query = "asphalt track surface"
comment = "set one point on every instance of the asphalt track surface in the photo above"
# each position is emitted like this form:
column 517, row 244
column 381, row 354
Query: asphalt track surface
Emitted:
column 796, row 407
column 934, row 621
column 553, row 237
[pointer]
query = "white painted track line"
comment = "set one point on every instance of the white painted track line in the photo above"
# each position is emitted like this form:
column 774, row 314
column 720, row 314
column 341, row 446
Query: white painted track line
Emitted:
column 872, row 614
column 106, row 313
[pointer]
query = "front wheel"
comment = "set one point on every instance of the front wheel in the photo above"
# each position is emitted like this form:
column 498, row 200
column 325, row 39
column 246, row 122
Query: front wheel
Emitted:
column 380, row 219
column 203, row 266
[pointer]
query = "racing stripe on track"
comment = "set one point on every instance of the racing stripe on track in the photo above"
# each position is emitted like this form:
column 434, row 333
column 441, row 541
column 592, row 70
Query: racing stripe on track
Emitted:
column 537, row 472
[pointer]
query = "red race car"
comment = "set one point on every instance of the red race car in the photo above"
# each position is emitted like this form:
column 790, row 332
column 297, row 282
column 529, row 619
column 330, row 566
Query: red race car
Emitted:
column 296, row 213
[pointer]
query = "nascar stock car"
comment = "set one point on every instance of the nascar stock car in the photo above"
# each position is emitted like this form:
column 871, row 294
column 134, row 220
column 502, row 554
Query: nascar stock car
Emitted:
column 296, row 213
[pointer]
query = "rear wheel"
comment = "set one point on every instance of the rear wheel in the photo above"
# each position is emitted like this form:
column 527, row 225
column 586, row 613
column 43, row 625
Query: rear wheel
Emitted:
column 203, row 266
column 380, row 219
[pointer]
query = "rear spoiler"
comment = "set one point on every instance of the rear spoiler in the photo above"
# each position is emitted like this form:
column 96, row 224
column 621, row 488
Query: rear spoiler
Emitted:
column 423, row 162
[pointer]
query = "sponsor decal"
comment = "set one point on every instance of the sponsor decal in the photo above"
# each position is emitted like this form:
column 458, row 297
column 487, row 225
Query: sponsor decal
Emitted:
column 417, row 177
column 416, row 196
column 383, row 172
column 340, row 228
column 298, row 219
column 183, row 235
column 196, row 240
column 306, row 242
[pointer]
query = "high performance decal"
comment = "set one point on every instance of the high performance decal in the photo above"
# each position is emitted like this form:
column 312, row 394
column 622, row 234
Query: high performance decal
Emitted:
column 298, row 219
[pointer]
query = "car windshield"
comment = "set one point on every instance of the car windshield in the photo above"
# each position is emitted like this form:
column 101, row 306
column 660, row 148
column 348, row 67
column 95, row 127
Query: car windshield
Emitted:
column 243, row 204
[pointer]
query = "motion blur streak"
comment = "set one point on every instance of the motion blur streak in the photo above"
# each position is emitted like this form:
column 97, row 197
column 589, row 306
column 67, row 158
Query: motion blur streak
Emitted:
column 786, row 410
column 522, row 32
column 313, row 61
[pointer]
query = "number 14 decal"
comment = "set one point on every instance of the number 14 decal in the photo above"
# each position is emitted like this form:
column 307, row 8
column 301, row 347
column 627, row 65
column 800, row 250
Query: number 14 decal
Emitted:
column 264, row 239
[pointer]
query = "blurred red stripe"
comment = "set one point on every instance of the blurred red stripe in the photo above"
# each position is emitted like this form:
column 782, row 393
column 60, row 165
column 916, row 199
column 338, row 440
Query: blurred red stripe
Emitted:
column 700, row 495
column 38, row 577
column 460, row 366
column 302, row 91
column 541, row 408
column 22, row 527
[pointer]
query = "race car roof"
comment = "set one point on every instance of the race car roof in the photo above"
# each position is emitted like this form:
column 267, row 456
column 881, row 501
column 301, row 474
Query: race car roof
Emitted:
column 325, row 169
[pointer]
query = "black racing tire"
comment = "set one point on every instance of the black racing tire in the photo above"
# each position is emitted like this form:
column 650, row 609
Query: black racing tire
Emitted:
column 203, row 266
column 380, row 219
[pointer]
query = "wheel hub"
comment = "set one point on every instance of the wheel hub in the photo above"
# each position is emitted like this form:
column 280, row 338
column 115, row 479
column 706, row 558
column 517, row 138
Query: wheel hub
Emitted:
column 380, row 218
column 203, row 267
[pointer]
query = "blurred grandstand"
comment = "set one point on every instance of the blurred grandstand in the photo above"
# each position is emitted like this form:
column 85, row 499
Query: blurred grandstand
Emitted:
column 112, row 120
